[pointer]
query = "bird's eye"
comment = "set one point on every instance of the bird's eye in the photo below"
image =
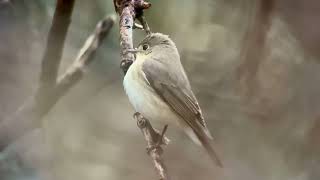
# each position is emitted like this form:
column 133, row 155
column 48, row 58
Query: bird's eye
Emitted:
column 145, row 47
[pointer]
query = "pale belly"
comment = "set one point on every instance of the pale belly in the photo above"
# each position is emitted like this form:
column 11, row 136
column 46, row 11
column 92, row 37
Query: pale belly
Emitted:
column 144, row 99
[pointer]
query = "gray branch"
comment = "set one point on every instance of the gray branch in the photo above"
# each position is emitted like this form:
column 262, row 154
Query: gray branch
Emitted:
column 86, row 55
column 25, row 120
column 154, row 141
column 129, row 11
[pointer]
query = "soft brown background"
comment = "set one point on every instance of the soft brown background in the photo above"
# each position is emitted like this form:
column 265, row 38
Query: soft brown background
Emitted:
column 267, row 125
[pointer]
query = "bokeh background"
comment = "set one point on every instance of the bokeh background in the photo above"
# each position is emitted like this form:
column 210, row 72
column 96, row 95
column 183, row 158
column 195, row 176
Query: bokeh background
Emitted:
column 257, row 81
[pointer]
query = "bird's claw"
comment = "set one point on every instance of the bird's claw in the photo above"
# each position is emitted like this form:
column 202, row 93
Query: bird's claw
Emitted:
column 161, row 136
column 136, row 115
column 156, row 147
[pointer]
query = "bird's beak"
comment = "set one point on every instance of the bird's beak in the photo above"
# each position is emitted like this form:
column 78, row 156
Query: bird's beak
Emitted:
column 134, row 51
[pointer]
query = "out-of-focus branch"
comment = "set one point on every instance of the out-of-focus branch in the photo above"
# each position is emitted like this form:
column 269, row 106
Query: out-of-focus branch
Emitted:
column 254, row 45
column 55, row 43
column 39, row 104
column 129, row 10
column 24, row 120
column 154, row 141
column 85, row 56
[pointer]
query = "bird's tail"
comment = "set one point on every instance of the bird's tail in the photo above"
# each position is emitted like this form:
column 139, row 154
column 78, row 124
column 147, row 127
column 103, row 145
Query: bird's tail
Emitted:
column 202, row 138
column 205, row 141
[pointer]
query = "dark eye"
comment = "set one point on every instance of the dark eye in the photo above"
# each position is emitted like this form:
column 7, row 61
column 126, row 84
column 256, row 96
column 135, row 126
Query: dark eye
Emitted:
column 145, row 47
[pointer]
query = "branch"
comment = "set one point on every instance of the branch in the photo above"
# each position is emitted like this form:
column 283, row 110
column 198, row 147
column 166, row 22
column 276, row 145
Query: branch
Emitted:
column 25, row 120
column 30, row 114
column 154, row 141
column 85, row 56
column 254, row 45
column 129, row 11
column 55, row 43
column 144, row 23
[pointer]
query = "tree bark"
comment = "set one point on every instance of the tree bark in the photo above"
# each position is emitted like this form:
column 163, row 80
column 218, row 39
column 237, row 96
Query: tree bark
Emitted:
column 129, row 10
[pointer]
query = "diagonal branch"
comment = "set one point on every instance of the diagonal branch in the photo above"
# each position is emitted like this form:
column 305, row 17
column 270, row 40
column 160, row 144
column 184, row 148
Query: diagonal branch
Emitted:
column 30, row 114
column 25, row 120
column 52, row 57
column 254, row 46
column 129, row 10
column 86, row 55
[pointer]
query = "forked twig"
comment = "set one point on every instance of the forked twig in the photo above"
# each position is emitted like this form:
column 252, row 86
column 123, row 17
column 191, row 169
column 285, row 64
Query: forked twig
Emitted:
column 24, row 121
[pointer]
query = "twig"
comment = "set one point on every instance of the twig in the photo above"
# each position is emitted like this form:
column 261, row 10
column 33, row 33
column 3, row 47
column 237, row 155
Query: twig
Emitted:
column 144, row 23
column 154, row 141
column 85, row 56
column 129, row 10
column 24, row 120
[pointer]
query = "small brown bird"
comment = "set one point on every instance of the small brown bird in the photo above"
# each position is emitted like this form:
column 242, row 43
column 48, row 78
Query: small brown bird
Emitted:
column 158, row 88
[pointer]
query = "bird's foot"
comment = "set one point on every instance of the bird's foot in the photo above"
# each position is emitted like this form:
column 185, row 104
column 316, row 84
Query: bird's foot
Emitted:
column 162, row 139
column 136, row 115
column 155, row 147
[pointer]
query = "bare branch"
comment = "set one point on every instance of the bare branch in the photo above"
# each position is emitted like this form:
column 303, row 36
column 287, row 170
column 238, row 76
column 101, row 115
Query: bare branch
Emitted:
column 128, row 11
column 25, row 119
column 85, row 56
column 154, row 141
column 254, row 45
column 144, row 23
column 55, row 43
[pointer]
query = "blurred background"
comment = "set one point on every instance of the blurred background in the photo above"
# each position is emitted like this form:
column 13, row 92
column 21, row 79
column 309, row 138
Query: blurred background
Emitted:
column 254, row 67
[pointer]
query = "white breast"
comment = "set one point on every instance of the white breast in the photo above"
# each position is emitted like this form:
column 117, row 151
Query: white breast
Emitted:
column 143, row 98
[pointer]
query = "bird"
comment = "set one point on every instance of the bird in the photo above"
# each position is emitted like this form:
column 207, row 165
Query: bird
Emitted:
column 158, row 88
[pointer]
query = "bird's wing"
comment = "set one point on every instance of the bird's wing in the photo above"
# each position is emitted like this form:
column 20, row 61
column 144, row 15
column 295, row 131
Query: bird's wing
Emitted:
column 173, row 87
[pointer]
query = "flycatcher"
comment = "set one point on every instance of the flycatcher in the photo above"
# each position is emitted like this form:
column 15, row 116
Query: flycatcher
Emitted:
column 159, row 89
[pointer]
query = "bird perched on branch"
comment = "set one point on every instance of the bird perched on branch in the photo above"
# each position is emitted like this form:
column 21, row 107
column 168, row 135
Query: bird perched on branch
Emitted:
column 159, row 89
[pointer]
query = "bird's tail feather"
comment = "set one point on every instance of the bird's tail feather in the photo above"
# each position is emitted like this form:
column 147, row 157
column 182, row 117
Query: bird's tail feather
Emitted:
column 205, row 141
column 202, row 137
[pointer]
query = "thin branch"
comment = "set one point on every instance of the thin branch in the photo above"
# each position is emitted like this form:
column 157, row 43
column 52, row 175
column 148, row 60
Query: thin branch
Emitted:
column 55, row 43
column 154, row 141
column 144, row 23
column 129, row 11
column 85, row 56
column 38, row 105
column 24, row 120
column 254, row 45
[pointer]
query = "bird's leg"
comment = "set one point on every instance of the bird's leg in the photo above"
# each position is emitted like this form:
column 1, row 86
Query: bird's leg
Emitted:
column 161, row 140
column 154, row 138
column 136, row 115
